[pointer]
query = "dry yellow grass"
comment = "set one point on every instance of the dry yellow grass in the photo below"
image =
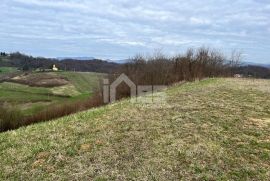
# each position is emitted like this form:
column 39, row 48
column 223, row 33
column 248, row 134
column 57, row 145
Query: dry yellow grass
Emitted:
column 216, row 129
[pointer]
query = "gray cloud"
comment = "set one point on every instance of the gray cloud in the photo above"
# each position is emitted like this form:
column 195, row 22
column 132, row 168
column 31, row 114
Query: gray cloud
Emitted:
column 119, row 29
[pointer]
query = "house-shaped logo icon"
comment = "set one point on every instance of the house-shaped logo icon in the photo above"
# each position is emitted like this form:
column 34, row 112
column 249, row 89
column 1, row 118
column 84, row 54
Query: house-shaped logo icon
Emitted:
column 112, row 88
column 109, row 91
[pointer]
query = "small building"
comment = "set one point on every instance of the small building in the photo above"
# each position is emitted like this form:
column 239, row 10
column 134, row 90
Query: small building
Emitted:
column 238, row 76
column 55, row 68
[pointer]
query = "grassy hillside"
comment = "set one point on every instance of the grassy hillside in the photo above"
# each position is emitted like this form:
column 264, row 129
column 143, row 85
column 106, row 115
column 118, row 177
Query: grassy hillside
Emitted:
column 216, row 129
column 28, row 99
column 4, row 70
column 31, row 99
column 84, row 82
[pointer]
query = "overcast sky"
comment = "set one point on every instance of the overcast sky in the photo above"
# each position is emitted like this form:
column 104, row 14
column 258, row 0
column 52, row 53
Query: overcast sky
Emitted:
column 118, row 29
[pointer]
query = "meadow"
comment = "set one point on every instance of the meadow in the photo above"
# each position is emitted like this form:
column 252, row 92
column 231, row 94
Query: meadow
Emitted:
column 4, row 70
column 214, row 129
column 31, row 99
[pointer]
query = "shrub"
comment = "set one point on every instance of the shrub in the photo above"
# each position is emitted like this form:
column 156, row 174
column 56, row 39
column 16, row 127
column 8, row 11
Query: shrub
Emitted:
column 13, row 118
column 195, row 64
column 64, row 109
column 9, row 118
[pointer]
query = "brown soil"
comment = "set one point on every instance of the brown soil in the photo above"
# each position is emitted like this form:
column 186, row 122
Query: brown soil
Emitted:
column 40, row 80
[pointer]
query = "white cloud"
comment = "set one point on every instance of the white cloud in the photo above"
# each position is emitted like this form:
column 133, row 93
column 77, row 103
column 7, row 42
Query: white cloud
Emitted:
column 199, row 21
column 54, row 4
column 122, row 42
column 127, row 27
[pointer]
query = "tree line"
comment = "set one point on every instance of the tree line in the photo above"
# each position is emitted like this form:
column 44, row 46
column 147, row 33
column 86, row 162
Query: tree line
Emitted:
column 28, row 63
column 3, row 54
column 195, row 64
column 253, row 71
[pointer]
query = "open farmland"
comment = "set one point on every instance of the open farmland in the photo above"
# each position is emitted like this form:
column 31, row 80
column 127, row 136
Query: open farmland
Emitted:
column 34, row 91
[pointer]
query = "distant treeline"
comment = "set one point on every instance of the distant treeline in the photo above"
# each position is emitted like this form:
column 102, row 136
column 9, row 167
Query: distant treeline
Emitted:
column 26, row 63
column 253, row 71
column 195, row 64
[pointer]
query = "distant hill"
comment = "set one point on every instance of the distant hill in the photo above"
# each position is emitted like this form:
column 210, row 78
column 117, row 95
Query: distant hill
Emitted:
column 75, row 58
column 122, row 61
column 26, row 62
column 253, row 71
column 257, row 64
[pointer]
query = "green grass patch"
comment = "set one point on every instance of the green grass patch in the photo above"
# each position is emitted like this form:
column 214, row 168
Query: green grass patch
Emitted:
column 4, row 70
column 31, row 100
column 84, row 82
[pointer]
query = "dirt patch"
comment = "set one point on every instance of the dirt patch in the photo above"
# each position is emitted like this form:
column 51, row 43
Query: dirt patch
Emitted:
column 43, row 155
column 85, row 147
column 38, row 163
column 40, row 80
column 8, row 76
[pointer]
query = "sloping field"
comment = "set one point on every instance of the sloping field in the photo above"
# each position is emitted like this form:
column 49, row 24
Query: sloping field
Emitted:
column 216, row 129
column 40, row 79
column 32, row 92
column 4, row 70
column 84, row 82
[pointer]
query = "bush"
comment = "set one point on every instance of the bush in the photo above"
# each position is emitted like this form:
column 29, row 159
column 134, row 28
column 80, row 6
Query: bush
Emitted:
column 12, row 118
column 9, row 118
column 195, row 64
column 64, row 109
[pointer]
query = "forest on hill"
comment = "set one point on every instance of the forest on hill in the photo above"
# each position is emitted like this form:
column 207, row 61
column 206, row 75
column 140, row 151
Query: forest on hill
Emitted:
column 26, row 63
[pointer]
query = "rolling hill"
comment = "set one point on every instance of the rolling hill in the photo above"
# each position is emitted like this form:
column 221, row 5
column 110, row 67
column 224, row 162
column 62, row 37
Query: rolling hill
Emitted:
column 75, row 58
column 27, row 62
column 215, row 129
column 31, row 92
